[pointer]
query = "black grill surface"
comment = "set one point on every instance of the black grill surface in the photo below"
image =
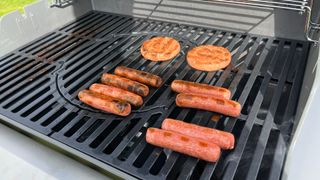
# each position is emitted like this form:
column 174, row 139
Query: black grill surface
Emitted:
column 40, row 81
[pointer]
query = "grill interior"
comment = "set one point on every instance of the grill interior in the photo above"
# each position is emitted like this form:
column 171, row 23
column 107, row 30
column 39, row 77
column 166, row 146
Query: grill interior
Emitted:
column 39, row 84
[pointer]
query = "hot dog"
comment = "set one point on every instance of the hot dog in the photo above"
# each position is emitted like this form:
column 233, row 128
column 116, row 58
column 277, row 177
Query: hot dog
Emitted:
column 209, row 103
column 181, row 86
column 184, row 144
column 223, row 139
column 117, row 93
column 126, row 84
column 105, row 103
column 140, row 76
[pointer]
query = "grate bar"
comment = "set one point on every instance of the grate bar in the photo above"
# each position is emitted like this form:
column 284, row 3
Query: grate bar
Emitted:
column 26, row 69
column 191, row 162
column 22, row 83
column 276, row 168
column 36, row 43
column 7, row 97
column 34, row 93
column 231, row 121
column 230, row 172
column 268, row 123
column 7, row 63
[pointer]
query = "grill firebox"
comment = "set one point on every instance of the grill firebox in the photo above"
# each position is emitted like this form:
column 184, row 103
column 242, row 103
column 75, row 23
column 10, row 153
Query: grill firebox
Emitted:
column 39, row 83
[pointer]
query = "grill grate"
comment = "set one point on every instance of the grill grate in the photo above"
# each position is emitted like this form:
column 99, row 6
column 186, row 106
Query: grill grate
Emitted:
column 40, row 81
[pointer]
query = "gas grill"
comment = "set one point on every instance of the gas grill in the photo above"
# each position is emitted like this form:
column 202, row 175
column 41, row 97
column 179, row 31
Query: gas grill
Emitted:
column 40, row 80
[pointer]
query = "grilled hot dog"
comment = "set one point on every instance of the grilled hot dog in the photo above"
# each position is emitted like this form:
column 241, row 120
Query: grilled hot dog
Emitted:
column 140, row 76
column 223, row 139
column 117, row 93
column 126, row 84
column 184, row 144
column 215, row 104
column 181, row 86
column 105, row 103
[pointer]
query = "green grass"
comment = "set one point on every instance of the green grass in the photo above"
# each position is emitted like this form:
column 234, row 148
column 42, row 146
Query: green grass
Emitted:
column 11, row 5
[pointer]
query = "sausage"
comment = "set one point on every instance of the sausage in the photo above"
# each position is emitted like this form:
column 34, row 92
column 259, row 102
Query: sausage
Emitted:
column 181, row 86
column 183, row 144
column 126, row 84
column 140, row 76
column 209, row 103
column 117, row 93
column 105, row 103
column 223, row 139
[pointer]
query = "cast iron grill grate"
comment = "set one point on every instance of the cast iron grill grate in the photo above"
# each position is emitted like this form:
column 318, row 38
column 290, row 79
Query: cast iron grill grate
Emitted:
column 40, row 81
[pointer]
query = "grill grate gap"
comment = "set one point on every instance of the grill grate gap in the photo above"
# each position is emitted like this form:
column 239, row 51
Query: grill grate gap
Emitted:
column 33, row 108
column 17, row 109
column 37, row 41
column 138, row 137
column 29, row 49
column 24, row 94
column 155, row 97
column 64, row 122
column 77, row 126
column 264, row 108
column 47, row 47
column 11, row 68
column 53, row 117
column 66, row 50
column 104, row 134
column 229, row 79
column 143, row 156
column 177, row 167
column 44, row 112
column 269, row 154
column 23, row 83
column 57, row 49
column 253, row 93
column 241, row 86
column 257, row 54
column 156, row 167
column 222, row 165
column 246, row 51
column 71, row 63
column 248, row 152
column 176, row 111
column 190, row 115
column 279, row 118
column 90, row 130
column 197, row 172
column 17, row 67
column 116, row 141
column 3, row 59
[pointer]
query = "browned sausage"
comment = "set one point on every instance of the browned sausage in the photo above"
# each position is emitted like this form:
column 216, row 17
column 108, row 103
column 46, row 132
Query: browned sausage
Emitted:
column 223, row 139
column 105, row 103
column 140, row 76
column 220, row 105
column 181, row 86
column 117, row 93
column 184, row 144
column 126, row 84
